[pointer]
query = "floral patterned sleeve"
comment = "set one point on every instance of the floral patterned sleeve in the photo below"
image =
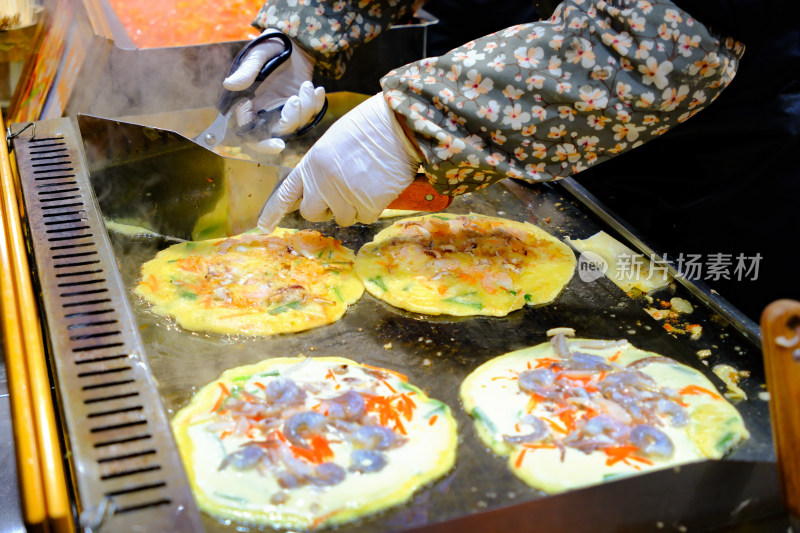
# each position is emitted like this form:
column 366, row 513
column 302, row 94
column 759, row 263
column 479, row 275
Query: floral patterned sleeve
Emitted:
column 545, row 100
column 330, row 29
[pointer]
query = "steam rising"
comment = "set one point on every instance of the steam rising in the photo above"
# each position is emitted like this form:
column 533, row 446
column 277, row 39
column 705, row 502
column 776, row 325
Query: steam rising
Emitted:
column 150, row 81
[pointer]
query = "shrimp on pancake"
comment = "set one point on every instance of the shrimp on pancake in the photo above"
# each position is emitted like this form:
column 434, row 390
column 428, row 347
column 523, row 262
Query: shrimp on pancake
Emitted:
column 575, row 412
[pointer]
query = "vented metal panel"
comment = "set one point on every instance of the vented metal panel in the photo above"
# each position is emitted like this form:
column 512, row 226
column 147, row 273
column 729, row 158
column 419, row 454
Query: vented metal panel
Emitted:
column 128, row 474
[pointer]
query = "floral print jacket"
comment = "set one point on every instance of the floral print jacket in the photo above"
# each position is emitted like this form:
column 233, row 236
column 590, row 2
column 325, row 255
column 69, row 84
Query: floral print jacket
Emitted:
column 537, row 101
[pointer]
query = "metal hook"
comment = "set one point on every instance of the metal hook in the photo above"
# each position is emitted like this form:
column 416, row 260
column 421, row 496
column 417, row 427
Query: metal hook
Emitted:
column 11, row 136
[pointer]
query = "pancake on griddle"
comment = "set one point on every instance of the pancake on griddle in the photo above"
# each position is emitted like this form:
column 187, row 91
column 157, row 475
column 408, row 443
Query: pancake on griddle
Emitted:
column 253, row 284
column 311, row 442
column 464, row 265
column 576, row 412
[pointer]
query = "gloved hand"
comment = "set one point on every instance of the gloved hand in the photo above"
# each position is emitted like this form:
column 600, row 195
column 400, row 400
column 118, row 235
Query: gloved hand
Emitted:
column 362, row 163
column 289, row 85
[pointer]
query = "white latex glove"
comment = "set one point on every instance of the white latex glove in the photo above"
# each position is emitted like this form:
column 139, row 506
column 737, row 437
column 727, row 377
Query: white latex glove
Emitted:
column 362, row 163
column 289, row 85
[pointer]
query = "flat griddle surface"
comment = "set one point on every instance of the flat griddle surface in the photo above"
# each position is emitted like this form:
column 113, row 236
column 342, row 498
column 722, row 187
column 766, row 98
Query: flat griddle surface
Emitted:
column 437, row 353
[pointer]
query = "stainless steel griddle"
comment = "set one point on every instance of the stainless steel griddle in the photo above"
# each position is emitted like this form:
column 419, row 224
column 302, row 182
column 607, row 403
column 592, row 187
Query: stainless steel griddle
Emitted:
column 480, row 493
column 124, row 462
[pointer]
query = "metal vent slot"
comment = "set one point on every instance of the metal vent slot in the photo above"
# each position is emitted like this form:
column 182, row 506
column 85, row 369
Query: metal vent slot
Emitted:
column 57, row 191
column 98, row 359
column 57, row 184
column 114, row 412
column 118, row 434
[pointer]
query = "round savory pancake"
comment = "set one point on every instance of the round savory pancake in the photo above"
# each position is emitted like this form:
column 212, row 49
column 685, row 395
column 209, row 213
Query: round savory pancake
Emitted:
column 576, row 412
column 464, row 265
column 253, row 284
column 310, row 442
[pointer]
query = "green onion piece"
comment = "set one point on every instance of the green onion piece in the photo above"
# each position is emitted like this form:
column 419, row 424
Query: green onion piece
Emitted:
column 460, row 299
column 483, row 419
column 285, row 307
column 188, row 295
column 723, row 444
column 378, row 280
column 528, row 298
column 436, row 411
column 337, row 293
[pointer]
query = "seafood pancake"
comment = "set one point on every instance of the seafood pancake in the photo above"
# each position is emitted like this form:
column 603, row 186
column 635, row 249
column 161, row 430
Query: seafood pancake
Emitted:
column 576, row 412
column 464, row 265
column 253, row 284
column 303, row 443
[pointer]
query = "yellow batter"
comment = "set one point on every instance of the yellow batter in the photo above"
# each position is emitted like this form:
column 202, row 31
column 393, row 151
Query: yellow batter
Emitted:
column 310, row 442
column 253, row 284
column 611, row 410
column 464, row 265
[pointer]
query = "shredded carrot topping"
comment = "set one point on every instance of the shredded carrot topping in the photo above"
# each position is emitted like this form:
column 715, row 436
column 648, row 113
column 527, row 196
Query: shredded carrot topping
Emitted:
column 193, row 264
column 546, row 362
column 618, row 453
column 390, row 409
column 555, row 426
column 531, row 447
column 403, row 377
column 696, row 389
column 539, row 446
column 151, row 282
column 318, row 452
column 406, row 406
column 388, row 386
column 520, row 457
column 568, row 418
column 318, row 520
column 623, row 454
column 223, row 394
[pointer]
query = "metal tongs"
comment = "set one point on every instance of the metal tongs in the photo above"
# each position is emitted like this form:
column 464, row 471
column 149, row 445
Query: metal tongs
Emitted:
column 266, row 120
